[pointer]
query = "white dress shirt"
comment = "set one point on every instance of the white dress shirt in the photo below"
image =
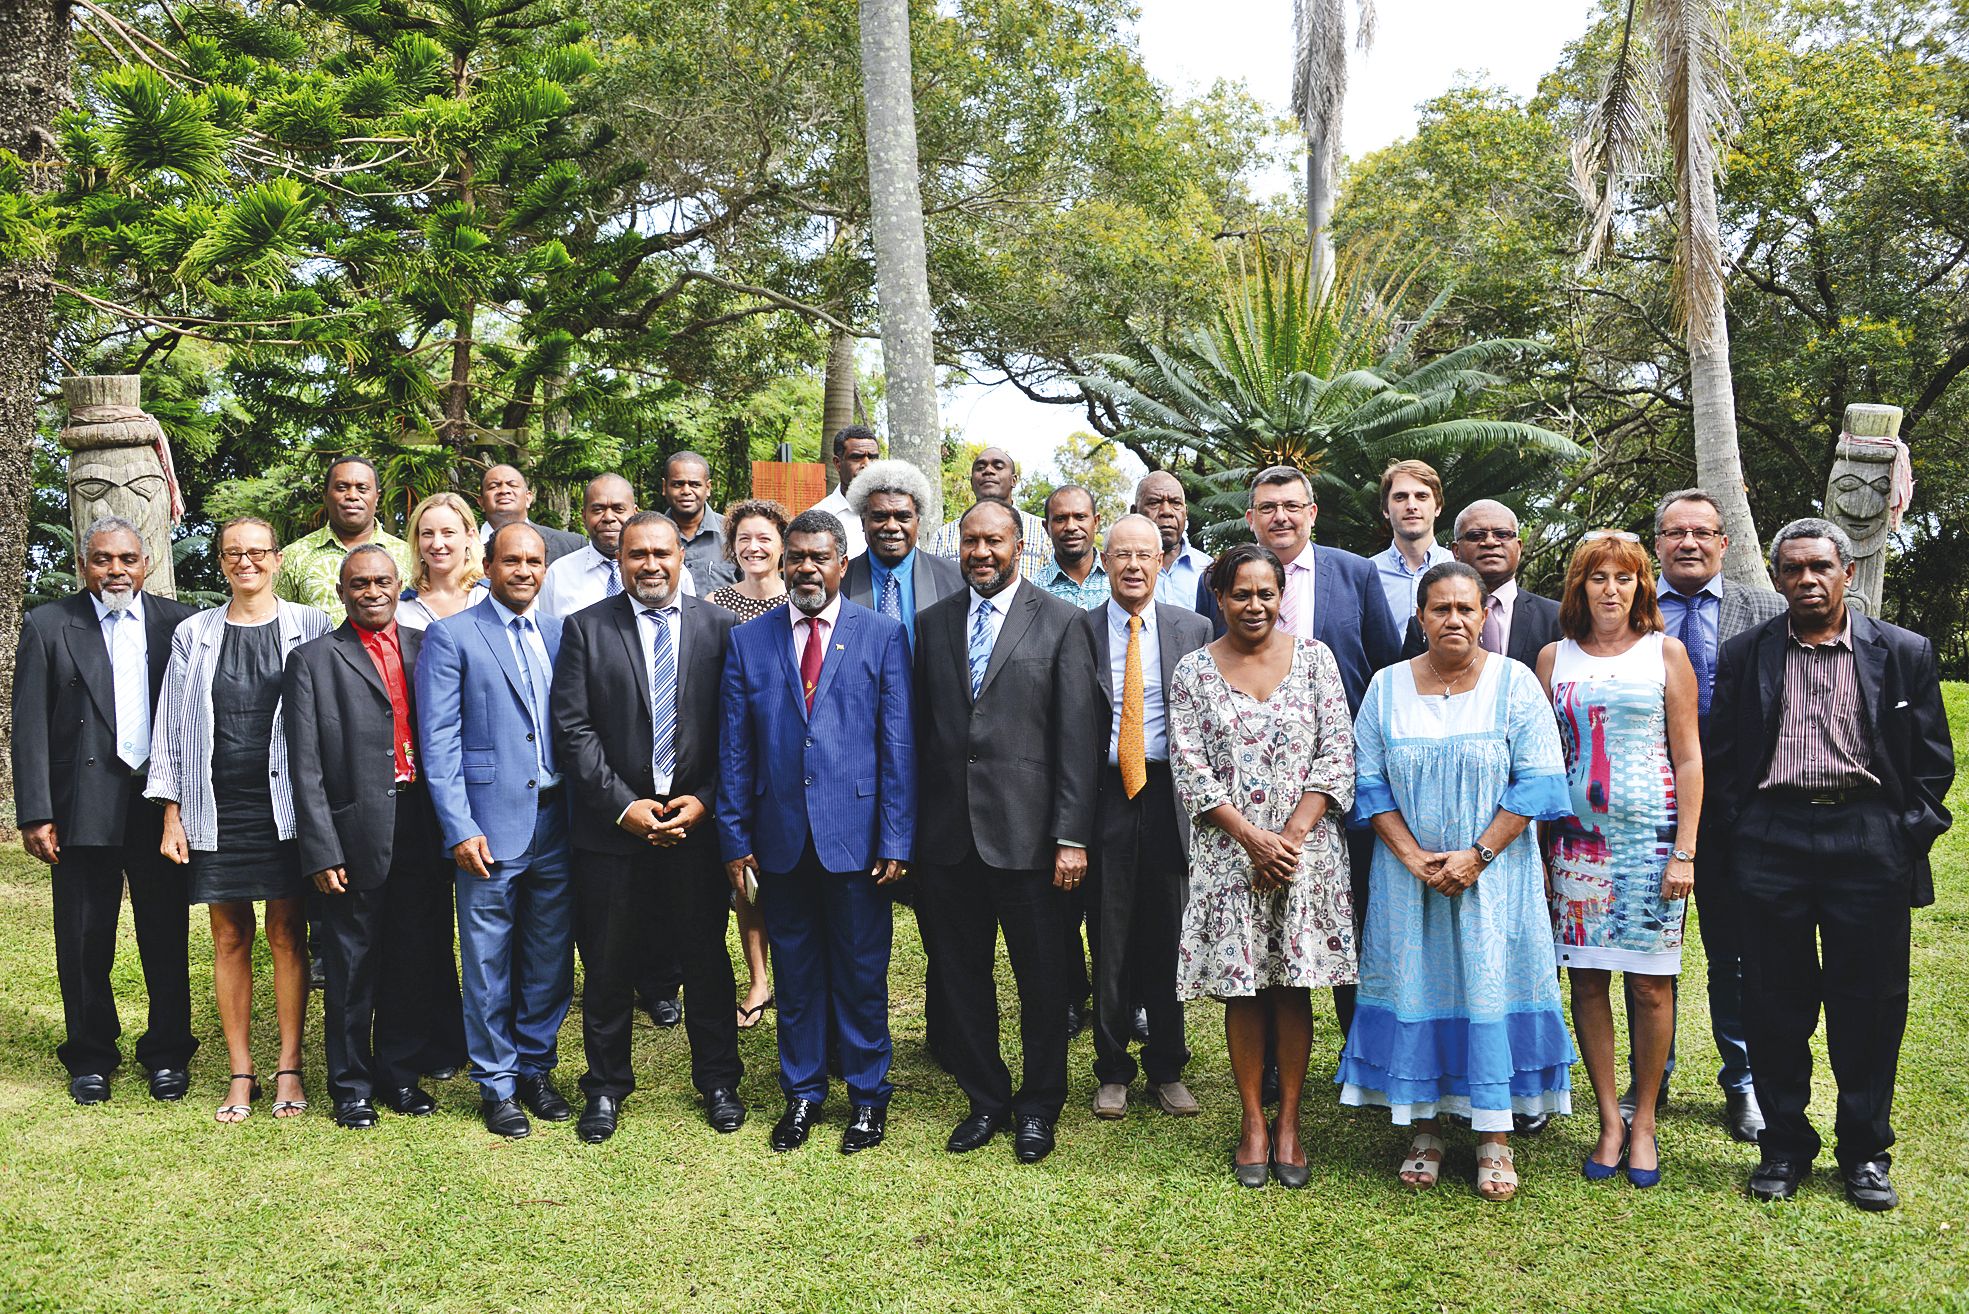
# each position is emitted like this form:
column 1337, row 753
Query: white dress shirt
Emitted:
column 836, row 505
column 1155, row 724
column 830, row 617
column 1000, row 605
column 580, row 579
column 129, row 660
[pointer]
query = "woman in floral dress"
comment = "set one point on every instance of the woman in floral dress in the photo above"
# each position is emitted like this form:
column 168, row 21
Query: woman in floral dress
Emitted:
column 1262, row 750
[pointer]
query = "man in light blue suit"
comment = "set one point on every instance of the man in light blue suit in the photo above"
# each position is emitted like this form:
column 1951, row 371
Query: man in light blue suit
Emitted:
column 817, row 805
column 484, row 713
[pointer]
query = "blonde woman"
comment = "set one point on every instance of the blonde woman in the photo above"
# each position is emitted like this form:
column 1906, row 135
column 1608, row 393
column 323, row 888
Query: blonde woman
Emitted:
column 449, row 574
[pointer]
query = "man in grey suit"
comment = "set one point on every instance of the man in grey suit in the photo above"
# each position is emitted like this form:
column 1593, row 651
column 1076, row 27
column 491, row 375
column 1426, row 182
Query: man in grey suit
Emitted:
column 505, row 498
column 990, row 716
column 1704, row 611
column 892, row 578
column 1517, row 623
column 1115, row 785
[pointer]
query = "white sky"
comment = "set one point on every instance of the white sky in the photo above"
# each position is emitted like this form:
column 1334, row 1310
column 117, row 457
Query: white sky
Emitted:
column 1421, row 48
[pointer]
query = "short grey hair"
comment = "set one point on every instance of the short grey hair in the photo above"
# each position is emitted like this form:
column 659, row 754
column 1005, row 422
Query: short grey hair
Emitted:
column 1813, row 527
column 1283, row 474
column 899, row 477
column 1481, row 504
column 111, row 525
column 1667, row 504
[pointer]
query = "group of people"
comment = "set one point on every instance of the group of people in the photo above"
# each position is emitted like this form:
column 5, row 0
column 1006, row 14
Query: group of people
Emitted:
column 1403, row 779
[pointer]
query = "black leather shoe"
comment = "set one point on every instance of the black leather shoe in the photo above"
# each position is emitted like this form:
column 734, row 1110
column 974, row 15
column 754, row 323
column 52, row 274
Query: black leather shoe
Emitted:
column 1076, row 1020
column 724, row 1110
column 355, row 1115
column 1141, row 1026
column 1268, row 1085
column 1742, row 1116
column 445, row 1073
column 537, row 1093
column 975, row 1132
column 1777, row 1178
column 598, row 1120
column 865, row 1128
column 1530, row 1124
column 1867, row 1186
column 169, row 1083
column 89, row 1088
column 317, row 973
column 505, row 1118
column 793, row 1127
column 410, row 1101
column 666, row 1012
column 1033, row 1140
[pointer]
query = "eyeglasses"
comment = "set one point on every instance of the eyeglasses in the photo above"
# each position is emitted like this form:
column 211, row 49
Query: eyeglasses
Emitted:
column 1698, row 535
column 1595, row 535
column 1485, row 535
column 1272, row 508
column 1123, row 556
column 233, row 556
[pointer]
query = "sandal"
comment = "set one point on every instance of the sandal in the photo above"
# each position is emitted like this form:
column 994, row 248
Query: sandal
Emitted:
column 289, row 1108
column 749, row 1017
column 242, row 1111
column 1497, row 1181
column 1419, row 1166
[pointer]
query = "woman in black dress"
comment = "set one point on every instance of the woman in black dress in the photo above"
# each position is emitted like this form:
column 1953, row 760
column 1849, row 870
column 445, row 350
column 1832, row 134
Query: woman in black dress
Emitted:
column 219, row 766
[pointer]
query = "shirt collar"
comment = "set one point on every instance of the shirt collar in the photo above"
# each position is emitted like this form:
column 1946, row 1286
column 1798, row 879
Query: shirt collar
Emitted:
column 507, row 615
column 1303, row 560
column 1118, row 617
column 1843, row 639
column 596, row 561
column 1002, row 604
column 1507, row 592
column 1713, row 586
column 136, row 606
column 1435, row 555
column 373, row 638
column 1055, row 572
column 830, row 614
column 907, row 566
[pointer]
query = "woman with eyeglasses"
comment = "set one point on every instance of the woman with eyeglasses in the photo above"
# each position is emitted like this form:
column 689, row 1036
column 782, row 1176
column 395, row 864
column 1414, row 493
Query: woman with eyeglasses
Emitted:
column 1622, row 865
column 1458, row 1012
column 218, row 764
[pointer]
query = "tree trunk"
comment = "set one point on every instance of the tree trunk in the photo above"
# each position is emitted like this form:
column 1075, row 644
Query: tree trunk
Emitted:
column 837, row 408
column 1319, row 210
column 34, row 88
column 901, row 273
column 1719, row 463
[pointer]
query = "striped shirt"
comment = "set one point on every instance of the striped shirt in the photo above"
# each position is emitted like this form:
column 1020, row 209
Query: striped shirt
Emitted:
column 1036, row 555
column 1822, row 732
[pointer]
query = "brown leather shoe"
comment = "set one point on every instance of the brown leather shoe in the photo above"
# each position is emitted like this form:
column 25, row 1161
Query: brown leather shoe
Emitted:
column 1111, row 1100
column 1176, row 1100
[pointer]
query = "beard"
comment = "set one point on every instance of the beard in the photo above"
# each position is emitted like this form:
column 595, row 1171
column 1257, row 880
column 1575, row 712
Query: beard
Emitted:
column 811, row 601
column 118, row 598
column 650, row 597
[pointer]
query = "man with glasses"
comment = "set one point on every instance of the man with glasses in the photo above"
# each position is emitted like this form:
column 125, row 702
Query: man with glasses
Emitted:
column 1160, row 497
column 1704, row 611
column 1517, row 623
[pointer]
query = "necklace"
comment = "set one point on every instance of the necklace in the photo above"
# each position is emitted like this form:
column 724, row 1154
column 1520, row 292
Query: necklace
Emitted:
column 1437, row 670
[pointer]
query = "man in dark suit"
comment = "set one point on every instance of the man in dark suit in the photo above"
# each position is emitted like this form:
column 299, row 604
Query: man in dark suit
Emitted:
column 1335, row 597
column 1115, row 785
column 636, row 721
column 1828, row 758
column 990, row 714
column 483, row 691
column 816, row 808
column 369, row 842
column 1517, row 623
column 86, row 679
column 505, row 498
column 892, row 578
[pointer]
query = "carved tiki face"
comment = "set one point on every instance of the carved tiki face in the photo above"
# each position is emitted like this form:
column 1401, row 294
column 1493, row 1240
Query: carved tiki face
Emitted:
column 1857, row 495
column 127, row 482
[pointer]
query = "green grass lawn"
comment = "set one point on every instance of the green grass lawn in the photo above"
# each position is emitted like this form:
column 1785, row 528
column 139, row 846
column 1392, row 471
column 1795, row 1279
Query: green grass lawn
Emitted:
column 141, row 1205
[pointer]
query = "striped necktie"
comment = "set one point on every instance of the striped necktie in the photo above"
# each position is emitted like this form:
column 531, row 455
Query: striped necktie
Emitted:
column 980, row 648
column 662, row 696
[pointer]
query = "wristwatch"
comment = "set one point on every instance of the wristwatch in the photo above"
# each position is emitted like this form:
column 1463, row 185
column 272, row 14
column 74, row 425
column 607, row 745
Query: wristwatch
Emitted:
column 1484, row 855
column 1682, row 855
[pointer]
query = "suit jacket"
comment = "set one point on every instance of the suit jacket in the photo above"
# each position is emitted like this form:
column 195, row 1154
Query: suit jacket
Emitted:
column 602, row 725
column 989, row 771
column 1534, row 623
column 935, row 577
column 477, row 732
column 843, row 774
column 341, row 750
column 1902, row 698
column 1744, row 607
column 1088, row 663
column 64, row 747
column 1350, row 616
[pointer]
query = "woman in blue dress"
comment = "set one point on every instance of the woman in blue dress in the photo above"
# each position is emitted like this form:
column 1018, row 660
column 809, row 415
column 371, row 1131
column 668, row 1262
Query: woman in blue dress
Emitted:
column 1459, row 1011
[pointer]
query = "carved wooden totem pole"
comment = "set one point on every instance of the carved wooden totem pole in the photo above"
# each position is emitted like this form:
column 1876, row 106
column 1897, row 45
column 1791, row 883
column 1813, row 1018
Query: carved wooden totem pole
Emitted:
column 1867, row 493
column 121, row 466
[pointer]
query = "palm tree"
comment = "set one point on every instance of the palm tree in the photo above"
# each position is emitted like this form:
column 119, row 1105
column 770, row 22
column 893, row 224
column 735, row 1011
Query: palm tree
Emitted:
column 901, row 268
column 1319, row 89
column 1322, row 376
column 1671, row 71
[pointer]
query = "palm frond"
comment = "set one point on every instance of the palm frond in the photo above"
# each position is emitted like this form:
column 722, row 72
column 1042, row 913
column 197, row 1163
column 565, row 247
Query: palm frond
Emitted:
column 1694, row 42
column 1619, row 132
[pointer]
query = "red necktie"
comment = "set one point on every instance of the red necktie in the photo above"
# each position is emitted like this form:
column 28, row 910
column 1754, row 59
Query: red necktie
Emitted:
column 810, row 658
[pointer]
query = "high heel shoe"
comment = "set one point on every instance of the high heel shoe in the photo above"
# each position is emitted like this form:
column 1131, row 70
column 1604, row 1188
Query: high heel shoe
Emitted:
column 1642, row 1178
column 1594, row 1171
column 245, row 1110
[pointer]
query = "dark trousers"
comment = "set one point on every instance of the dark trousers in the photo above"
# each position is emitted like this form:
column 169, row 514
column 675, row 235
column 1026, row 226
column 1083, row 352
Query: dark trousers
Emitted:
column 88, row 897
column 968, row 903
column 1720, row 922
column 391, row 976
column 617, row 898
column 1135, row 894
column 1824, row 895
column 830, row 933
column 1360, row 853
column 1077, row 909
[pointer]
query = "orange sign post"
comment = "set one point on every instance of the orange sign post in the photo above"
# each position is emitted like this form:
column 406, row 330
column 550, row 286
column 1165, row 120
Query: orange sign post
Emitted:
column 795, row 485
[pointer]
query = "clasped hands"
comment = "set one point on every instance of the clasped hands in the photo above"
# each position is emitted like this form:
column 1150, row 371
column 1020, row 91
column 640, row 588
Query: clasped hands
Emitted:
column 1275, row 855
column 1446, row 873
column 663, row 824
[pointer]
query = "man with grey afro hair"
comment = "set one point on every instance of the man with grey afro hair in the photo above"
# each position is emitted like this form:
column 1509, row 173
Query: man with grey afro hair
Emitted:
column 897, row 477
column 892, row 577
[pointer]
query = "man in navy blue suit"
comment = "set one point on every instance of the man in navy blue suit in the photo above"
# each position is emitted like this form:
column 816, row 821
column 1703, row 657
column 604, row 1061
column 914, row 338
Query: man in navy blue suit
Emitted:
column 484, row 684
column 816, row 808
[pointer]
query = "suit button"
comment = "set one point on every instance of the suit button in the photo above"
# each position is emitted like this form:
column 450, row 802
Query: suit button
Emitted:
column 810, row 743
column 91, row 762
column 529, row 784
column 389, row 793
column 972, row 758
column 529, row 736
column 808, row 781
column 274, row 774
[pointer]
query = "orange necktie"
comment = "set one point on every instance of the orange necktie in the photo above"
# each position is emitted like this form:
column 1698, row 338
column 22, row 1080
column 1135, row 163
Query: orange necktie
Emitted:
column 1129, row 748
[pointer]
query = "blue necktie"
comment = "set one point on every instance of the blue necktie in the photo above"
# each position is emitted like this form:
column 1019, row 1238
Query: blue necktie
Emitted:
column 1700, row 656
column 614, row 585
column 662, row 698
column 132, row 689
column 522, row 627
column 980, row 647
column 890, row 603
